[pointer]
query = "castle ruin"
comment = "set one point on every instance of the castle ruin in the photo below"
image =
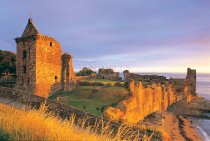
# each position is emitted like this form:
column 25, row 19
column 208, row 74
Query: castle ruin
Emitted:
column 41, row 67
column 151, row 93
column 108, row 74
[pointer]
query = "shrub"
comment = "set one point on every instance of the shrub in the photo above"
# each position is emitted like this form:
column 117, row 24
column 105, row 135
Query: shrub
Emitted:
column 7, row 62
column 4, row 136
column 85, row 72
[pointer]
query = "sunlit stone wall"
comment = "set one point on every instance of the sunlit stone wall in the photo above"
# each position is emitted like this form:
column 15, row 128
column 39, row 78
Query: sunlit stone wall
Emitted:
column 145, row 100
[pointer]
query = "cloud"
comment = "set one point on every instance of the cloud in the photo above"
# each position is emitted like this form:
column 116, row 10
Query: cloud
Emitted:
column 146, row 33
column 5, row 46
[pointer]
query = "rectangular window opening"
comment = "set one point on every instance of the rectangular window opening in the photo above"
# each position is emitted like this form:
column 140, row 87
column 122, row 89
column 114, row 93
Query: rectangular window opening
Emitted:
column 24, row 54
column 24, row 69
column 29, row 52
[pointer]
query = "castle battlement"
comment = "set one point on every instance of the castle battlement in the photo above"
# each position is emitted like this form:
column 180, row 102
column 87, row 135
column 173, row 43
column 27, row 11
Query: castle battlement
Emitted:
column 35, row 37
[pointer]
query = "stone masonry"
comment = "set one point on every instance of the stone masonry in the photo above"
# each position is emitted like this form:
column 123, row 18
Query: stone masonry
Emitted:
column 108, row 74
column 191, row 77
column 144, row 78
column 145, row 100
column 39, row 64
column 67, row 72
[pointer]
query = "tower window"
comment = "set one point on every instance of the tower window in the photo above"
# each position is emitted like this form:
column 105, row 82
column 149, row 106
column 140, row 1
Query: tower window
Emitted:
column 24, row 54
column 56, row 79
column 29, row 52
column 28, row 81
column 24, row 69
column 50, row 43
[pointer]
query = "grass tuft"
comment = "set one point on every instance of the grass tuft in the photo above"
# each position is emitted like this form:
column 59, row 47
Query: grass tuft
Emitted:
column 20, row 124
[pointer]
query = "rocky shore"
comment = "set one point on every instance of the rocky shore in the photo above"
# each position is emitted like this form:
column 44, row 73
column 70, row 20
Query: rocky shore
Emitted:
column 198, row 107
column 175, row 123
column 180, row 128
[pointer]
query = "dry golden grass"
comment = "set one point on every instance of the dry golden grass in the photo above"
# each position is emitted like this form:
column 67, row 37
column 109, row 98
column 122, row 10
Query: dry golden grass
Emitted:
column 22, row 124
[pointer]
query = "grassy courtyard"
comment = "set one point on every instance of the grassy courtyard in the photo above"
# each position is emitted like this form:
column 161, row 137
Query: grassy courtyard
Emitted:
column 104, row 81
column 91, row 98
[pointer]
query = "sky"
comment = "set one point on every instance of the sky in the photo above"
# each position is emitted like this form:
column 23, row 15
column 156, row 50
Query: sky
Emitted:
column 138, row 35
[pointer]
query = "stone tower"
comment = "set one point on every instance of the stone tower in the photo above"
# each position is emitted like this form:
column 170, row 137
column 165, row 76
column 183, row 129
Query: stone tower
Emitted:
column 38, row 62
column 67, row 72
column 191, row 80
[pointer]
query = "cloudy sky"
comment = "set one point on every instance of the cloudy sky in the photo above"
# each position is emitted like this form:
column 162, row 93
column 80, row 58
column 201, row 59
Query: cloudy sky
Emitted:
column 139, row 35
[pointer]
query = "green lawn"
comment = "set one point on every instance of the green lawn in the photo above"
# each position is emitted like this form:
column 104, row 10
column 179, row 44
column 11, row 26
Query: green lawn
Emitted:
column 91, row 101
column 104, row 81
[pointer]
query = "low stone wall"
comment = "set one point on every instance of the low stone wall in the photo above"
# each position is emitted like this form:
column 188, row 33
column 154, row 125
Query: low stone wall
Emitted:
column 65, row 111
column 8, row 81
column 143, row 78
column 10, row 84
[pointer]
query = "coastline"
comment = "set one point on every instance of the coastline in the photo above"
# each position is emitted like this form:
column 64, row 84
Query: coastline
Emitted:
column 200, row 127
column 180, row 128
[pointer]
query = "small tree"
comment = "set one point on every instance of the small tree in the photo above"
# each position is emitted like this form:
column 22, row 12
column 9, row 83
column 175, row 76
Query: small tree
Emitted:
column 7, row 62
column 85, row 72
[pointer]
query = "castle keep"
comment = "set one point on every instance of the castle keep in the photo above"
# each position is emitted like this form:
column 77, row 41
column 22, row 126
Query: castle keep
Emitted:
column 41, row 66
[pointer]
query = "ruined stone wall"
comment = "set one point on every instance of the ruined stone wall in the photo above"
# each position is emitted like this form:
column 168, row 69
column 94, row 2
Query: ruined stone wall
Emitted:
column 144, row 78
column 8, row 81
column 191, row 80
column 108, row 74
column 10, row 84
column 67, row 72
column 145, row 100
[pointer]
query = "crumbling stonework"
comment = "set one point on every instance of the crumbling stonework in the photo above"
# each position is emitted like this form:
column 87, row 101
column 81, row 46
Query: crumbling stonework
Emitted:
column 191, row 77
column 39, row 65
column 67, row 72
column 145, row 100
column 108, row 74
column 144, row 78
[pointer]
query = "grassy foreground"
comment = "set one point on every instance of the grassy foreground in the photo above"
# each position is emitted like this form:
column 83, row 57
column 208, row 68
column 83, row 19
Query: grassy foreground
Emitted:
column 19, row 124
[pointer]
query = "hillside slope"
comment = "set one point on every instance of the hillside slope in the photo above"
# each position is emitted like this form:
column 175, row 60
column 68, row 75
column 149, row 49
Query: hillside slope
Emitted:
column 22, row 124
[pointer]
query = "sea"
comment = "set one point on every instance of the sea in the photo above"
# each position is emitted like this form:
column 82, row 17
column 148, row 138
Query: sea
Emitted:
column 203, row 89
